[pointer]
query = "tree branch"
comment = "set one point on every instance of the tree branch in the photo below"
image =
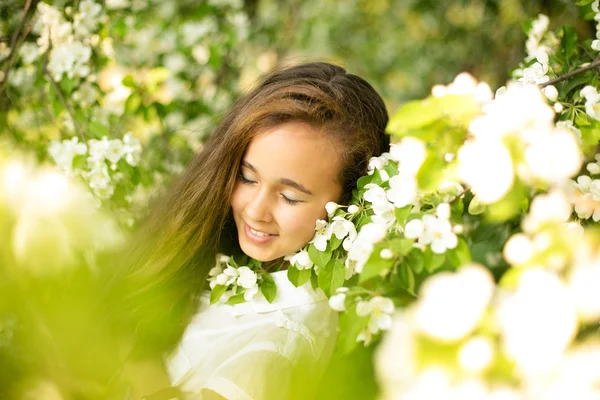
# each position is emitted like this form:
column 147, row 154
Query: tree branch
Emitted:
column 64, row 102
column 592, row 65
column 15, row 43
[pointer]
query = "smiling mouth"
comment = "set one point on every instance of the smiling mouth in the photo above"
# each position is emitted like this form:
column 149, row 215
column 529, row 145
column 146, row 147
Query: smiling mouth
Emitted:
column 259, row 233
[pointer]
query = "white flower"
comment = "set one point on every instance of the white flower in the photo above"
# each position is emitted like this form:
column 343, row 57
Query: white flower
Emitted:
column 341, row 228
column 322, row 235
column 555, row 156
column 114, row 151
column 379, row 310
column 476, row 354
column 583, row 284
column 550, row 92
column 518, row 249
column 250, row 292
column 403, row 190
column 592, row 103
column 132, row 149
column 410, row 154
column 378, row 163
column 386, row 254
column 337, row 302
column 413, row 229
column 247, row 278
column 331, row 207
column 451, row 304
column 547, row 208
column 201, row 54
column 29, row 52
column 486, row 166
column 537, row 321
column 382, row 208
column 300, row 260
column 362, row 247
column 433, row 231
column 352, row 209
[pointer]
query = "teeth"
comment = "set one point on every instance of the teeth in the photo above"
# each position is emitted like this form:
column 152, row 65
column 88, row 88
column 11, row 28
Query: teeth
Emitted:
column 257, row 233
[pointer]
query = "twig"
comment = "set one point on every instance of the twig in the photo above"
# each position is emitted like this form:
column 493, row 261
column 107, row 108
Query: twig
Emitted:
column 64, row 102
column 458, row 196
column 592, row 65
column 15, row 42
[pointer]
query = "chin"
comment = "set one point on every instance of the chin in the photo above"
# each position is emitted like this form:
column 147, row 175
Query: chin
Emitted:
column 259, row 255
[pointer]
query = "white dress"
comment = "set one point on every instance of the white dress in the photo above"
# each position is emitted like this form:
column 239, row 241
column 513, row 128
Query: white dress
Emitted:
column 257, row 350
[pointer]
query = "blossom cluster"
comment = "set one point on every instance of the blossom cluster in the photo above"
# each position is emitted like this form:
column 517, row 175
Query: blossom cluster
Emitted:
column 101, row 158
column 528, row 145
column 233, row 280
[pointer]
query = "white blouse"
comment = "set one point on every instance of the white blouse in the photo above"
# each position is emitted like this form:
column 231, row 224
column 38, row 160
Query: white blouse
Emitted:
column 257, row 350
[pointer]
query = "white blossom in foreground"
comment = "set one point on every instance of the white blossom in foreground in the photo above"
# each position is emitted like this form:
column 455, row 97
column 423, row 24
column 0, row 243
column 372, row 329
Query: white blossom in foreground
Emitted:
column 300, row 260
column 537, row 321
column 362, row 247
column 433, row 230
column 584, row 195
column 592, row 101
column 554, row 157
column 486, row 166
column 550, row 208
column 337, row 302
column 451, row 304
column 410, row 153
column 379, row 310
column 322, row 235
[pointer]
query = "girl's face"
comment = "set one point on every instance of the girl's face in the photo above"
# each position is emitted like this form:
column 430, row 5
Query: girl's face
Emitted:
column 288, row 174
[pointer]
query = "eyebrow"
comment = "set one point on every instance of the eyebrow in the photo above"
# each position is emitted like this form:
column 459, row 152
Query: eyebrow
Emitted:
column 283, row 181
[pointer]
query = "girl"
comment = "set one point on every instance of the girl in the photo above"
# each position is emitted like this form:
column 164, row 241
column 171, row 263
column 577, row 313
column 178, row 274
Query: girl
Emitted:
column 300, row 139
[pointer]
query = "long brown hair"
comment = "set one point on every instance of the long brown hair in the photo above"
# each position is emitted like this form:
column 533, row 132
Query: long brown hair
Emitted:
column 176, row 247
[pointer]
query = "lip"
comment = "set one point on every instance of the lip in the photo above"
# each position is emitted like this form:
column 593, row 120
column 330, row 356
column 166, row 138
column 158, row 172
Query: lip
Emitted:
column 255, row 238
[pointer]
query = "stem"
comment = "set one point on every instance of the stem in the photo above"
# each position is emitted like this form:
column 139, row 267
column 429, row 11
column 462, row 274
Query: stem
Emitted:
column 15, row 43
column 460, row 195
column 592, row 65
column 64, row 102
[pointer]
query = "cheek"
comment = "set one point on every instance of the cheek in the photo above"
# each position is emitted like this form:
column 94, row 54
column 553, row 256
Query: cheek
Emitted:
column 300, row 224
column 237, row 198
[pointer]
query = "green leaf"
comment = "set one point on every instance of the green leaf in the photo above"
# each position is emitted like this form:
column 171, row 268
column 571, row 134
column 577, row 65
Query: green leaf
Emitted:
column 363, row 181
column 268, row 287
column 401, row 214
column 314, row 280
column 476, row 207
column 97, row 129
column 583, row 2
column 236, row 299
column 412, row 115
column 509, row 206
column 334, row 242
column 320, row 258
column 350, row 326
column 406, row 278
column 67, row 85
column 430, row 173
column 432, row 261
column 332, row 277
column 298, row 277
column 459, row 255
column 128, row 81
column 375, row 265
column 216, row 293
column 391, row 169
column 568, row 43
column 415, row 260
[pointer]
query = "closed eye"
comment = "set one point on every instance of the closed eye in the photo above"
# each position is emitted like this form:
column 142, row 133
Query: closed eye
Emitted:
column 290, row 201
column 245, row 180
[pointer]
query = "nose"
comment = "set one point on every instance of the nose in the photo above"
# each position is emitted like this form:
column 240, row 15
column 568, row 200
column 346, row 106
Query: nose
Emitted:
column 259, row 207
